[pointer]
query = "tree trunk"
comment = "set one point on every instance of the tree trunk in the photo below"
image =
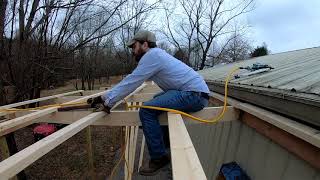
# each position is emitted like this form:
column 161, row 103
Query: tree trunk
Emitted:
column 83, row 86
column 3, row 6
column 21, row 21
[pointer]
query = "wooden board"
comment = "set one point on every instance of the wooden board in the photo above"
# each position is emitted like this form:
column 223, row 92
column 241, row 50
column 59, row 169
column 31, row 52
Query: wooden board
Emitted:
column 185, row 162
column 36, row 100
column 131, row 118
column 16, row 163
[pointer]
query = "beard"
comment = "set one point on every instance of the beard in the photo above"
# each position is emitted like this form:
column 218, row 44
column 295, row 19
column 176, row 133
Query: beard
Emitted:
column 139, row 55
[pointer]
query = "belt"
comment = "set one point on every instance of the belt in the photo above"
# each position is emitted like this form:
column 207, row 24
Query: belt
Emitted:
column 202, row 94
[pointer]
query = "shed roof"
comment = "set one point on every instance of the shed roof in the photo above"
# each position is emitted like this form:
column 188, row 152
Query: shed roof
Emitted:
column 295, row 70
column 292, row 88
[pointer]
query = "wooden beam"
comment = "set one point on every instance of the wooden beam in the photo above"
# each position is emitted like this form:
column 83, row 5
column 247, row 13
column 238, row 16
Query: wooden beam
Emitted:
column 131, row 118
column 304, row 132
column 297, row 146
column 91, row 167
column 16, row 163
column 25, row 157
column 4, row 152
column 184, row 158
column 91, row 92
column 151, row 89
column 65, row 99
column 141, row 152
column 4, row 149
column 23, row 121
column 35, row 100
column 141, row 97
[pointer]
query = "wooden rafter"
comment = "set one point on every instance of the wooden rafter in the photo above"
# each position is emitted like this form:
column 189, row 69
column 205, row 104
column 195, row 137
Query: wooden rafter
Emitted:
column 131, row 118
column 185, row 161
column 14, row 164
column 23, row 121
column 36, row 100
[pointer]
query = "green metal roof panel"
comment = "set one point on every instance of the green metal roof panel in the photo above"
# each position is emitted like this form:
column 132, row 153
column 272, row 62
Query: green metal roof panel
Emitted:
column 298, row 70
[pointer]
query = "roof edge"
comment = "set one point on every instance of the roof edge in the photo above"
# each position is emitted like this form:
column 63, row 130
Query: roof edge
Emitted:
column 303, row 110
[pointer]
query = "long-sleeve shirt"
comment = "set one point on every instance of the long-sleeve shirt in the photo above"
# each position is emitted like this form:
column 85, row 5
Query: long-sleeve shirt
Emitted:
column 165, row 70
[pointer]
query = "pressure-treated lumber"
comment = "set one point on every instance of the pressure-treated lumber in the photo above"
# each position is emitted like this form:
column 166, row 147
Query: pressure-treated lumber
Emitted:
column 91, row 167
column 126, row 153
column 4, row 149
column 22, row 159
column 25, row 157
column 23, row 121
column 141, row 97
column 133, row 143
column 143, row 142
column 151, row 89
column 185, row 162
column 131, row 118
column 304, row 132
column 65, row 99
column 36, row 100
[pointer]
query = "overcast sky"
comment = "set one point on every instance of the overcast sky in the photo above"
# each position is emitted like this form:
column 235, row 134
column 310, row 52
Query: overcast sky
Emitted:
column 285, row 25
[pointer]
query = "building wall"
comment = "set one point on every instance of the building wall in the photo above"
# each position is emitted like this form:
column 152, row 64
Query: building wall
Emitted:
column 261, row 158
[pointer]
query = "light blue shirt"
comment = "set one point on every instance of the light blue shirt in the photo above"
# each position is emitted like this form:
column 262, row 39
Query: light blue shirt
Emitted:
column 162, row 68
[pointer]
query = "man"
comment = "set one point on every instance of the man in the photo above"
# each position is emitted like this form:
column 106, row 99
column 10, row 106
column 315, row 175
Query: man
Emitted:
column 183, row 89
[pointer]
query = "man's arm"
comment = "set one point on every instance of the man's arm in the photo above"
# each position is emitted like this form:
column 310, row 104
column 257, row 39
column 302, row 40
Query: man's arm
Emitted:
column 147, row 67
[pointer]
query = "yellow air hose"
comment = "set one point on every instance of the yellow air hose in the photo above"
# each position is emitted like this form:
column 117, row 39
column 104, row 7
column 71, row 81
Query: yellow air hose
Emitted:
column 213, row 120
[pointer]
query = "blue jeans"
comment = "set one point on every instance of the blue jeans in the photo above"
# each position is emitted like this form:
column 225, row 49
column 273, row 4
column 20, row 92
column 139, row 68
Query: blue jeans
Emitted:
column 180, row 100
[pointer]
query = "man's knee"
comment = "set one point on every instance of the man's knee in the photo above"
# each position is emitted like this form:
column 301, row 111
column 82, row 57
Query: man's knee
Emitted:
column 147, row 112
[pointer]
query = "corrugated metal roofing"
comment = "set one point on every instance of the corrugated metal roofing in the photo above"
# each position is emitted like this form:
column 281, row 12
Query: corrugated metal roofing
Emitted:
column 299, row 70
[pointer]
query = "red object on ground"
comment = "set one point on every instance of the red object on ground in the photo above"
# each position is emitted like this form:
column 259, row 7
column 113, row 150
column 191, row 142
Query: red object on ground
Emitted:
column 45, row 129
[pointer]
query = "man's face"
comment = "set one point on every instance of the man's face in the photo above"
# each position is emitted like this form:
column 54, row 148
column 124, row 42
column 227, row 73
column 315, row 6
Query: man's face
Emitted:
column 138, row 51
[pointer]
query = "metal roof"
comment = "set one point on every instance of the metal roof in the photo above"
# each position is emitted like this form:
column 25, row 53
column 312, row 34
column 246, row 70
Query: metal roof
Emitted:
column 297, row 70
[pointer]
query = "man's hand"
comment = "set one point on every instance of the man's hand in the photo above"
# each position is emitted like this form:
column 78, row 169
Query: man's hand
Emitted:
column 98, row 104
column 102, row 107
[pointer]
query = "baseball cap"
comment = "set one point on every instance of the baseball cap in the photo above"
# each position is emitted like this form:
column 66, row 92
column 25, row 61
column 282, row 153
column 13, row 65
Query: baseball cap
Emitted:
column 142, row 35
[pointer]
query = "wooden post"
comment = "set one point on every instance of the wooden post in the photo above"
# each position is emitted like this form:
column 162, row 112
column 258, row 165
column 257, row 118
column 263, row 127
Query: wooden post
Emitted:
column 4, row 152
column 90, row 154
column 141, row 151
column 126, row 156
column 141, row 148
column 12, row 149
column 131, row 136
column 134, row 144
column 130, row 163
column 4, row 149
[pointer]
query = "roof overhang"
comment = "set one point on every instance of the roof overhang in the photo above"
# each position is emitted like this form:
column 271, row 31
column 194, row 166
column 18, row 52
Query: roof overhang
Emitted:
column 302, row 107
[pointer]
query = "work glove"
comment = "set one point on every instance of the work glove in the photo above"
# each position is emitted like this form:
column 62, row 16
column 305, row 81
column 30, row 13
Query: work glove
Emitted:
column 98, row 104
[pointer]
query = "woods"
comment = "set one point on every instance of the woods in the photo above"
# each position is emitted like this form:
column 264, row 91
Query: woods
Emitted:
column 47, row 42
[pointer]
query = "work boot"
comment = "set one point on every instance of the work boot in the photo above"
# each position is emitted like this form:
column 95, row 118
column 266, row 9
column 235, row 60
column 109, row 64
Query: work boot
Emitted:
column 155, row 165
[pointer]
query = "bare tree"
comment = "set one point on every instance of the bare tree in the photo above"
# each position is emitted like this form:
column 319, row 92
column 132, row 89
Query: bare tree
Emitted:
column 3, row 7
column 121, row 20
column 55, row 30
column 206, row 21
column 185, row 28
